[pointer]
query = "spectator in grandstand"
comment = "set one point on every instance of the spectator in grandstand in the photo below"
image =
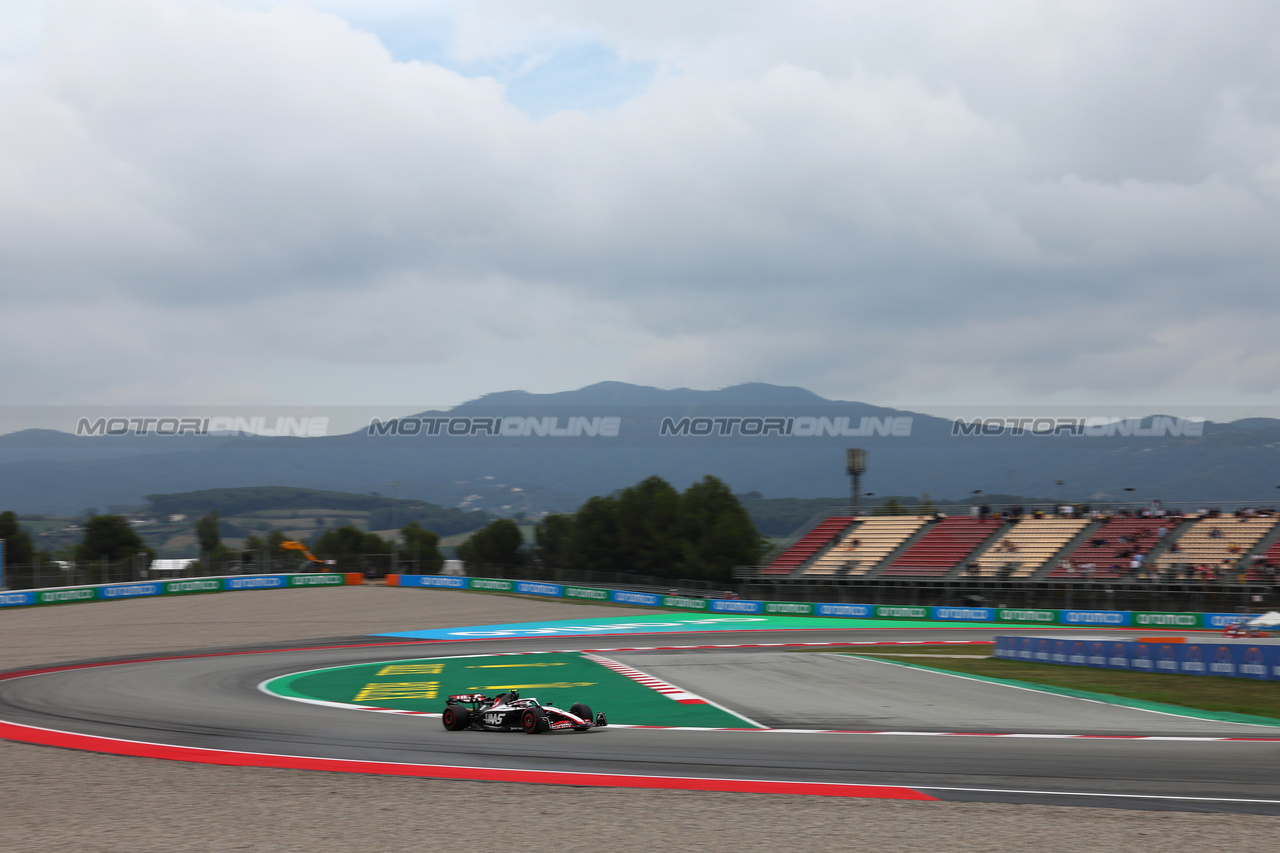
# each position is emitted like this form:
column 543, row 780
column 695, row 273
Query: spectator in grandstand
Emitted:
column 1215, row 533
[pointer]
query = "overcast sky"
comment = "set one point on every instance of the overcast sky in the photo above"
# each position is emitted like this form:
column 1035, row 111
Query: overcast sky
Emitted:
column 402, row 202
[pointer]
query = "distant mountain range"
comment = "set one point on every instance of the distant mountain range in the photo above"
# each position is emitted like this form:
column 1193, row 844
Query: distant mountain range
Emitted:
column 514, row 451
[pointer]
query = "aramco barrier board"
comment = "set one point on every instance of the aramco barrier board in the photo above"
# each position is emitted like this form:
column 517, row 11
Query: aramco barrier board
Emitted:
column 179, row 586
column 994, row 615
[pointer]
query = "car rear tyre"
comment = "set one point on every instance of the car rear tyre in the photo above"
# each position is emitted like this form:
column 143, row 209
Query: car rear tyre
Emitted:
column 456, row 719
column 583, row 711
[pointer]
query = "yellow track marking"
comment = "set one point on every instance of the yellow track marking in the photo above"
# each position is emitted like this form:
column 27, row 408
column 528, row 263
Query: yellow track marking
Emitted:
column 398, row 690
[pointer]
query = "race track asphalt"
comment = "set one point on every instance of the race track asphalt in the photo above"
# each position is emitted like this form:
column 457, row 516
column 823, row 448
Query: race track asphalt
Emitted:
column 214, row 702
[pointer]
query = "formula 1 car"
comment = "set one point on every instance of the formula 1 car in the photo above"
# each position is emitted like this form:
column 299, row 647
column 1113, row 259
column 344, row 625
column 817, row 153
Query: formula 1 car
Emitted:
column 507, row 712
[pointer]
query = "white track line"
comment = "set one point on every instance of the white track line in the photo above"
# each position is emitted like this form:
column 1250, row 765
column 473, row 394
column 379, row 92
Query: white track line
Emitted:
column 651, row 682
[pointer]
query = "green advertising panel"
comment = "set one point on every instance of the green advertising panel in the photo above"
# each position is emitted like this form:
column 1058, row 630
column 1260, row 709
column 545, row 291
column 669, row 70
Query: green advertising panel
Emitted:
column 192, row 585
column 587, row 593
column 1035, row 617
column 322, row 579
column 790, row 608
column 63, row 596
column 1165, row 620
column 492, row 585
column 901, row 612
column 683, row 603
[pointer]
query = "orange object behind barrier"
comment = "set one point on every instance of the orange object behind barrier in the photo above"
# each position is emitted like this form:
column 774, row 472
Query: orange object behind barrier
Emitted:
column 354, row 578
column 392, row 580
column 1162, row 639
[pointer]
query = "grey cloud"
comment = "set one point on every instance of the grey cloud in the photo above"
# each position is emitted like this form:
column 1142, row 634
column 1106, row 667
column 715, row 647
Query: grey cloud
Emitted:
column 872, row 201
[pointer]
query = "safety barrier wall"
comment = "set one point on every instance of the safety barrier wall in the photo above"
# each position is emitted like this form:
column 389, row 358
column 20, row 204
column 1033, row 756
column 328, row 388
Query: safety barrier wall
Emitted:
column 181, row 586
column 994, row 615
column 1227, row 660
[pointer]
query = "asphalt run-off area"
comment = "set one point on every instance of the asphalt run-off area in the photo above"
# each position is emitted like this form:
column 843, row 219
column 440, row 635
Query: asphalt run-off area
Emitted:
column 712, row 702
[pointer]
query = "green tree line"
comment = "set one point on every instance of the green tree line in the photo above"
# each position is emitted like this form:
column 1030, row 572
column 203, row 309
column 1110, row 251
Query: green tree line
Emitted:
column 647, row 529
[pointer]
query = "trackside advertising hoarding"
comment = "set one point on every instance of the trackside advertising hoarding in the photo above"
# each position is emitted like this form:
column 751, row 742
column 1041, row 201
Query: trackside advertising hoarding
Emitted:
column 184, row 586
column 1005, row 615
column 964, row 614
column 17, row 599
column 1035, row 617
column 1260, row 662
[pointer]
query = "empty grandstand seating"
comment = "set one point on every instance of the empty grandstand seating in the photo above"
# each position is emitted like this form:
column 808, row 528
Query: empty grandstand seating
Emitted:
column 863, row 548
column 941, row 549
column 804, row 549
column 1025, row 547
column 1217, row 542
column 1108, row 551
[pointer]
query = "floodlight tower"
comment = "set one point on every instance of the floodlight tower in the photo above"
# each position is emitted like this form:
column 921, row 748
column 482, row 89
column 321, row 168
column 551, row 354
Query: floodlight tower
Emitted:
column 855, row 462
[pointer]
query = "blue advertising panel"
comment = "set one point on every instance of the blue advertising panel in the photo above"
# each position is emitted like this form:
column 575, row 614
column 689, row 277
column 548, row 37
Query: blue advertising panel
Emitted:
column 964, row 614
column 729, row 605
column 130, row 590
column 644, row 599
column 551, row 590
column 16, row 599
column 1110, row 618
column 433, row 581
column 1218, row 621
column 856, row 611
column 256, row 582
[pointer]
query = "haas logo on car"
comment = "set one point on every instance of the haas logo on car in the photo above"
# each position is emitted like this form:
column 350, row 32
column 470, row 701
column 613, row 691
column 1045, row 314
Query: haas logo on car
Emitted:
column 493, row 719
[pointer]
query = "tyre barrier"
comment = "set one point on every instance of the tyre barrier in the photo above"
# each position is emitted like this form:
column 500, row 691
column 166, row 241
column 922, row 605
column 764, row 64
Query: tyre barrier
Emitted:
column 995, row 615
column 179, row 586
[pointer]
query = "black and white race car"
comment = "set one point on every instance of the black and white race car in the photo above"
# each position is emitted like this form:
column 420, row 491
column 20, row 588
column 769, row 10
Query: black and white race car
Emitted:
column 507, row 712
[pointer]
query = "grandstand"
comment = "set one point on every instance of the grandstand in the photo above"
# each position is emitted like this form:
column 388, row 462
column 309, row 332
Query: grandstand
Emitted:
column 1025, row 547
column 809, row 545
column 1262, row 568
column 866, row 545
column 1216, row 542
column 943, row 547
column 1107, row 551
